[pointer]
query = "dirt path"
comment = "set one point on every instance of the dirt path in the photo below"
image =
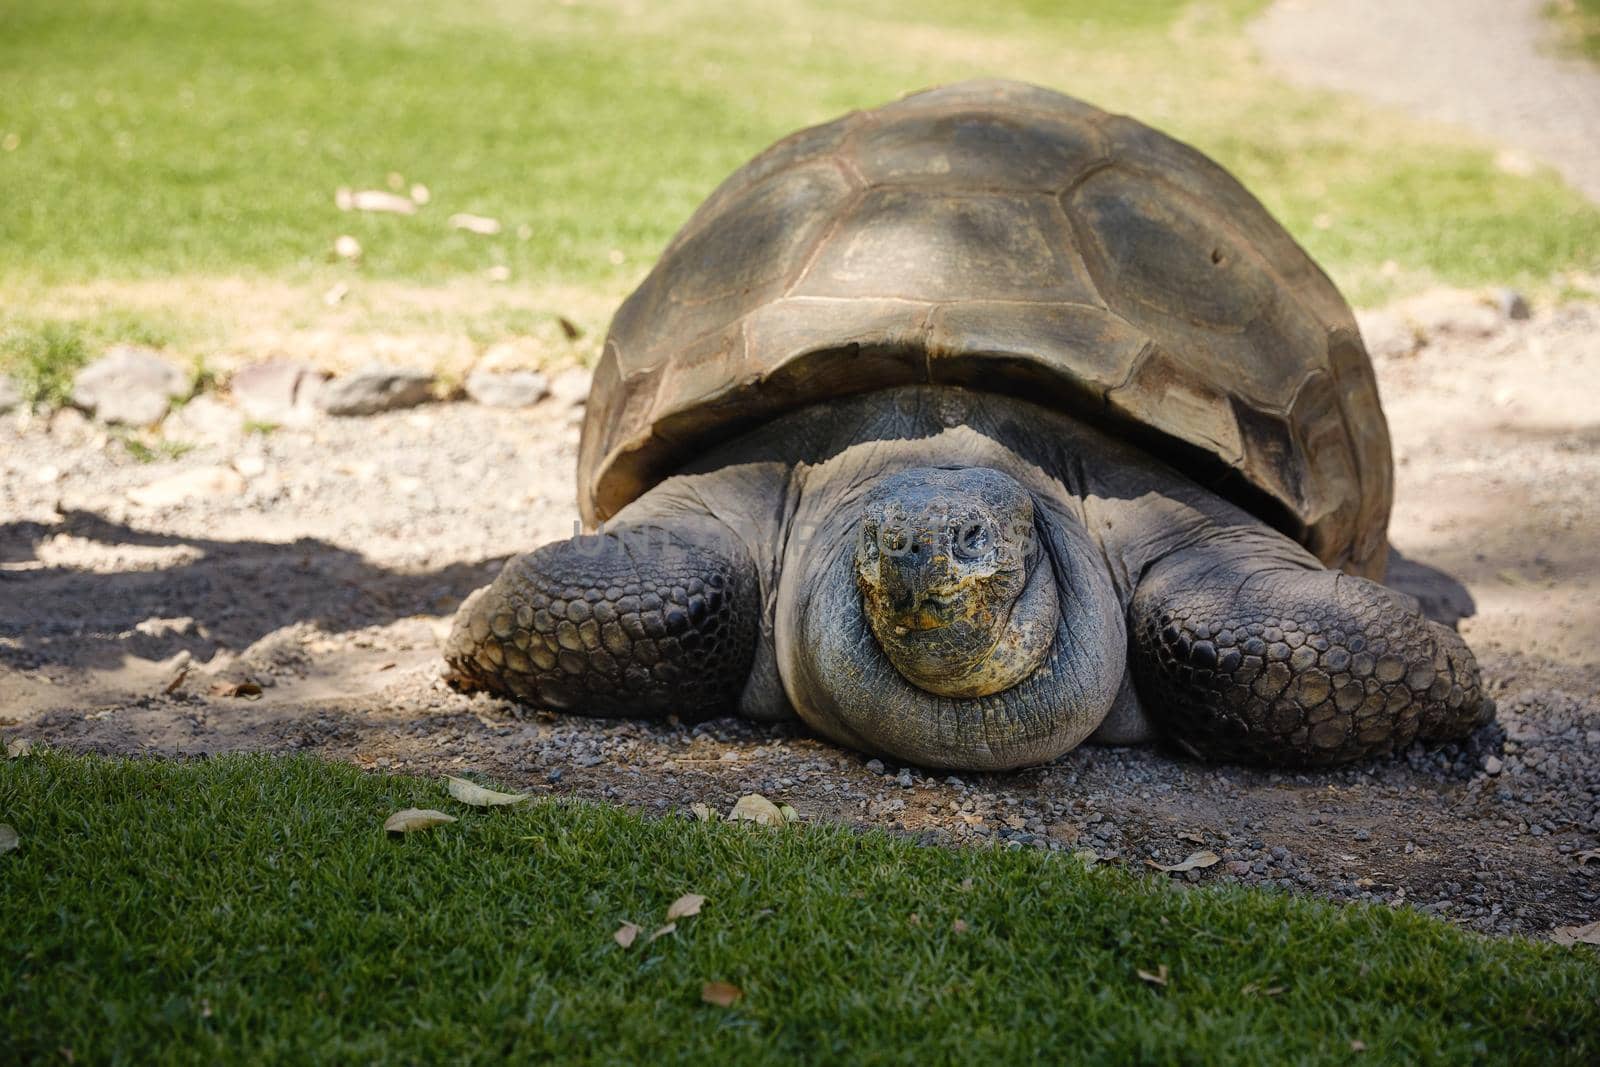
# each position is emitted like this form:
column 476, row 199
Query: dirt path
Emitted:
column 327, row 568
column 1484, row 64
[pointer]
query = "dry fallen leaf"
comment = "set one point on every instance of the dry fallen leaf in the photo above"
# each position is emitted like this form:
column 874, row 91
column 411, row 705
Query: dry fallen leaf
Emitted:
column 247, row 690
column 1357, row 1045
column 569, row 329
column 479, row 797
column 625, row 935
column 1587, row 934
column 1191, row 837
column 479, row 224
column 373, row 200
column 410, row 819
column 8, row 838
column 959, row 926
column 662, row 931
column 722, row 994
column 18, row 747
column 753, row 807
column 1159, row 978
column 1196, row 861
column 685, row 906
column 701, row 811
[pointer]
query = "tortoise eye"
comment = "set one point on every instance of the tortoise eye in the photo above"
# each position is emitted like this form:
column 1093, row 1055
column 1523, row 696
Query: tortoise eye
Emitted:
column 972, row 540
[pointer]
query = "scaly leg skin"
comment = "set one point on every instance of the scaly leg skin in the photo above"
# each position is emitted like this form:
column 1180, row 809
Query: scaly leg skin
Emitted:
column 650, row 619
column 1243, row 653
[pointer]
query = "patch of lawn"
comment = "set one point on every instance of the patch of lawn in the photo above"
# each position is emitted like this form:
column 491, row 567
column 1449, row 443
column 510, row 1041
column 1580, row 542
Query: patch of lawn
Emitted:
column 1580, row 21
column 248, row 909
column 202, row 137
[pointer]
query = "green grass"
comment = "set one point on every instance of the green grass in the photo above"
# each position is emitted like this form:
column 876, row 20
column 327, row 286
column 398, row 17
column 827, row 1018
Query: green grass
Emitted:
column 207, row 137
column 252, row 910
column 1580, row 25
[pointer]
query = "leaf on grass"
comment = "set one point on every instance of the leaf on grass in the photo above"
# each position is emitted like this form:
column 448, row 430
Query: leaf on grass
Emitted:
column 1253, row 990
column 1204, row 858
column 247, row 690
column 662, row 931
column 959, row 926
column 479, row 224
column 626, row 934
column 753, row 807
column 722, row 994
column 479, row 797
column 411, row 819
column 1086, row 856
column 701, row 811
column 1158, row 978
column 1587, row 934
column 685, row 906
column 18, row 747
column 1357, row 1045
column 8, row 838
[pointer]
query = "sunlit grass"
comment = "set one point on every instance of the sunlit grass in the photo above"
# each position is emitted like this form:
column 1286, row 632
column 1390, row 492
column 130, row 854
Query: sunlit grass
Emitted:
column 251, row 910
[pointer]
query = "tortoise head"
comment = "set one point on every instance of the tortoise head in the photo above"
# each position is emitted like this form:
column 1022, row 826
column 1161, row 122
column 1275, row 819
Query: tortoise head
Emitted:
column 953, row 580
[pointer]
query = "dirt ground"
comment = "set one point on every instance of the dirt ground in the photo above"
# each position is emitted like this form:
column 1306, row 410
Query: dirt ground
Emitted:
column 1493, row 66
column 322, row 562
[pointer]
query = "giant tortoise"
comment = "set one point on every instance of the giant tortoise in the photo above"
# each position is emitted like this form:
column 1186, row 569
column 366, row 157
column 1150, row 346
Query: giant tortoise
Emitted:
column 970, row 428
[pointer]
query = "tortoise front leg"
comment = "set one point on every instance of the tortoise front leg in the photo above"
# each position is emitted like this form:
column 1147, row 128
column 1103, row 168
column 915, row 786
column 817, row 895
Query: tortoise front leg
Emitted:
column 1243, row 651
column 651, row 618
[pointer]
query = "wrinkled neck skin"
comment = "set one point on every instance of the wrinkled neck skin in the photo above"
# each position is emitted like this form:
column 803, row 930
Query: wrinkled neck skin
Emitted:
column 1017, row 686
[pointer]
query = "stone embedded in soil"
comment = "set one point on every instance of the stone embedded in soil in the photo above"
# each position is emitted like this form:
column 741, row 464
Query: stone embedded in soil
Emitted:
column 1388, row 335
column 129, row 385
column 277, row 391
column 376, row 389
column 186, row 485
column 570, row 388
column 206, row 420
column 507, row 389
column 1512, row 304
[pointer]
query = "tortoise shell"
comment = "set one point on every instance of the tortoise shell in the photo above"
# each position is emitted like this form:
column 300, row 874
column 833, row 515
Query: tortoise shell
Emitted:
column 1004, row 237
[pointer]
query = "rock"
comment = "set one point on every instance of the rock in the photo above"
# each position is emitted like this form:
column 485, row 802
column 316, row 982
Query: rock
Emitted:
column 903, row 779
column 570, row 388
column 1512, row 304
column 277, row 391
column 185, row 485
column 205, row 419
column 374, row 389
column 1492, row 765
column 875, row 766
column 346, row 247
column 129, row 385
column 10, row 394
column 509, row 389
column 156, row 626
column 1389, row 336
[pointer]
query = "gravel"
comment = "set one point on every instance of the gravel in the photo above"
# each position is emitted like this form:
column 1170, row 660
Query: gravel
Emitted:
column 329, row 577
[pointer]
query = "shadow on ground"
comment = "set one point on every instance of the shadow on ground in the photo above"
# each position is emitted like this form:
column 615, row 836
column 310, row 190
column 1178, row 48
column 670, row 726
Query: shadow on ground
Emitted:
column 236, row 592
